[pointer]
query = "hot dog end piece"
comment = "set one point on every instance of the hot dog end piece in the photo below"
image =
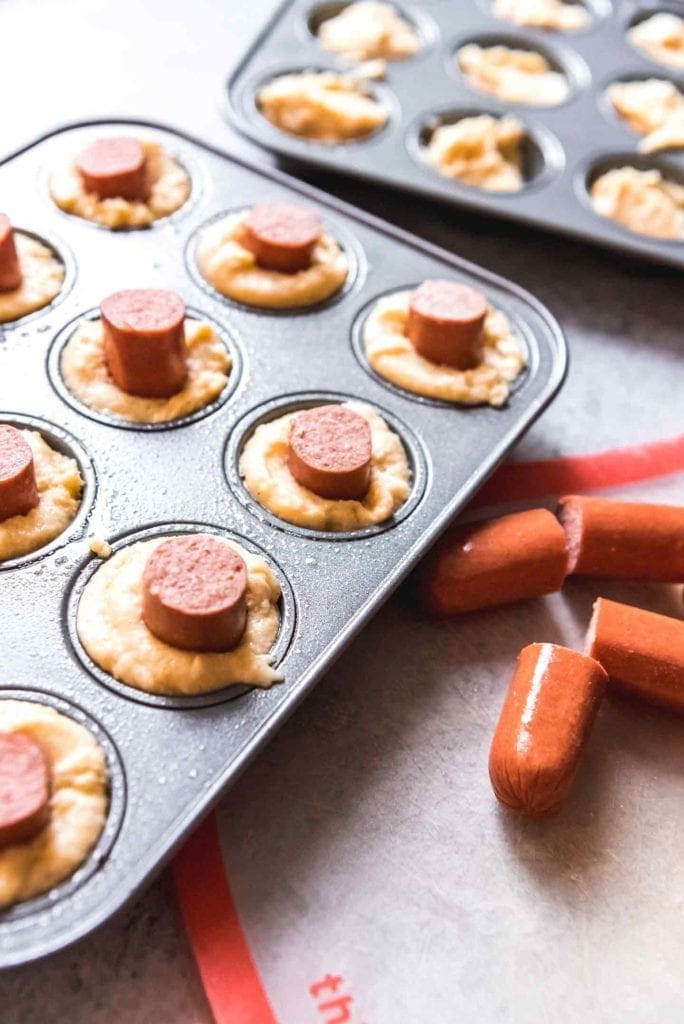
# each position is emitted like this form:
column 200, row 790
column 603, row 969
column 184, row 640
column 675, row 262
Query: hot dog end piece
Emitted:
column 544, row 725
column 10, row 271
column 195, row 594
column 642, row 652
column 281, row 236
column 330, row 452
column 24, row 788
column 18, row 488
column 445, row 323
column 499, row 561
column 114, row 168
column 623, row 539
column 144, row 341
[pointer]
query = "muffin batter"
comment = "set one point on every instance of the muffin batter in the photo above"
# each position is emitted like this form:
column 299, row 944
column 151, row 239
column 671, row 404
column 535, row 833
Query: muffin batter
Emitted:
column 643, row 201
column 78, row 802
column 232, row 269
column 112, row 631
column 322, row 106
column 42, row 279
column 393, row 357
column 264, row 467
column 554, row 14
column 654, row 108
column 85, row 373
column 514, row 76
column 483, row 151
column 660, row 37
column 59, row 489
column 368, row 30
column 169, row 190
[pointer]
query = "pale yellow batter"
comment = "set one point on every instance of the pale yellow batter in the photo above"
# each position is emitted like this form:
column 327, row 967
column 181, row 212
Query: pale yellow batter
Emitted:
column 661, row 37
column 86, row 375
column 59, row 490
column 562, row 15
column 42, row 279
column 515, row 76
column 322, row 106
column 169, row 190
column 111, row 629
column 392, row 355
column 78, row 802
column 654, row 108
column 232, row 269
column 369, row 30
column 483, row 151
column 266, row 474
column 643, row 201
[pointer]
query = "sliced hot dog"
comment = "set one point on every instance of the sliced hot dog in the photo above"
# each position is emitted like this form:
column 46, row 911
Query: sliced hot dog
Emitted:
column 24, row 788
column 144, row 340
column 622, row 538
column 282, row 236
column 10, row 271
column 642, row 652
column 330, row 452
column 494, row 562
column 18, row 489
column 114, row 169
column 195, row 594
column 544, row 724
column 445, row 323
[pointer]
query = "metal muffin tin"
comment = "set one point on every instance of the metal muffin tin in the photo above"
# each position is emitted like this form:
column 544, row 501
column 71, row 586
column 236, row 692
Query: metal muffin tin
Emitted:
column 170, row 758
column 566, row 148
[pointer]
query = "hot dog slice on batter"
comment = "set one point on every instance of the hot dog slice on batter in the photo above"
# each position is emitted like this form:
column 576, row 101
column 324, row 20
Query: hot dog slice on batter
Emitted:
column 622, row 538
column 445, row 323
column 18, row 489
column 282, row 236
column 642, row 652
column 330, row 452
column 114, row 169
column 24, row 788
column 10, row 271
column 495, row 562
column 195, row 594
column 144, row 341
column 544, row 724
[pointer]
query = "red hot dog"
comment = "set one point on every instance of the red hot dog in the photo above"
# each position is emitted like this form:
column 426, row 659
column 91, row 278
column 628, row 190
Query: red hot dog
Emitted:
column 623, row 539
column 18, row 488
column 330, row 452
column 144, row 340
column 24, row 788
column 114, row 169
column 195, row 594
column 495, row 562
column 445, row 323
column 544, row 725
column 642, row 652
column 10, row 271
column 282, row 236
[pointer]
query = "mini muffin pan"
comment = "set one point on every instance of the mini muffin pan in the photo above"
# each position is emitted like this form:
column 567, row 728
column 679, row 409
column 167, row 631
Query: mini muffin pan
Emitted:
column 170, row 758
column 566, row 146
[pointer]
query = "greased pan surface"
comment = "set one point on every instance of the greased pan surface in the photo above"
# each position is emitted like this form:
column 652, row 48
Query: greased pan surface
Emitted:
column 171, row 758
column 570, row 144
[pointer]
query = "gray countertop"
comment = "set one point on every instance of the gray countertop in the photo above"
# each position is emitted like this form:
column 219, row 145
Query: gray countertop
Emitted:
column 66, row 61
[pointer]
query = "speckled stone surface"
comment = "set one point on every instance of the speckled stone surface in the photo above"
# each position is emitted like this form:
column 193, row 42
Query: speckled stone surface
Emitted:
column 126, row 58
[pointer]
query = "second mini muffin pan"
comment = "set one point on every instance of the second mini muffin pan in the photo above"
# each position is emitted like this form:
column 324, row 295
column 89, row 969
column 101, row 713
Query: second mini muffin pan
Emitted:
column 170, row 758
column 566, row 146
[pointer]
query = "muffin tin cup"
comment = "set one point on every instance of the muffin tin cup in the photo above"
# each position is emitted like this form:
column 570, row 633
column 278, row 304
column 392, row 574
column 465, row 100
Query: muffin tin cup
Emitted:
column 180, row 753
column 54, row 370
column 429, row 88
column 181, row 702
